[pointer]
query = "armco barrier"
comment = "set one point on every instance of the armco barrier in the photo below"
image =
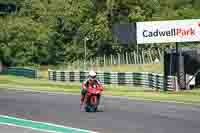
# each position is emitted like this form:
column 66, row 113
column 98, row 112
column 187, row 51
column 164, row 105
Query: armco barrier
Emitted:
column 17, row 71
column 126, row 78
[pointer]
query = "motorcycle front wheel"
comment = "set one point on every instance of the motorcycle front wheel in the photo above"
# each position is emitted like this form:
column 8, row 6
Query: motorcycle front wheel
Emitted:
column 91, row 104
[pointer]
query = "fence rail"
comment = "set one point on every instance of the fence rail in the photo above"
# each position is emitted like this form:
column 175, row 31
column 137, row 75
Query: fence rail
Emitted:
column 143, row 57
column 120, row 78
column 26, row 72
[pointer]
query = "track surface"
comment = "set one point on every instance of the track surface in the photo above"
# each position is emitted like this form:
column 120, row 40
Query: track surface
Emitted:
column 13, row 129
column 117, row 115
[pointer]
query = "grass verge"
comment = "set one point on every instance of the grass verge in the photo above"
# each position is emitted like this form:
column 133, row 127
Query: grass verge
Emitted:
column 13, row 82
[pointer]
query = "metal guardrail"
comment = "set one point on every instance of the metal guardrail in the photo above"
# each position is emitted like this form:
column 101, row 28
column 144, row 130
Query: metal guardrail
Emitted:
column 120, row 78
column 17, row 71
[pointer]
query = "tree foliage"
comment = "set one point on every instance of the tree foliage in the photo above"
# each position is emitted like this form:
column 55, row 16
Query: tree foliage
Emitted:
column 53, row 31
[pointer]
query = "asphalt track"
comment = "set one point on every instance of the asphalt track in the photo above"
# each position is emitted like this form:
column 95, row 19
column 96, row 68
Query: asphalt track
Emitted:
column 13, row 129
column 116, row 115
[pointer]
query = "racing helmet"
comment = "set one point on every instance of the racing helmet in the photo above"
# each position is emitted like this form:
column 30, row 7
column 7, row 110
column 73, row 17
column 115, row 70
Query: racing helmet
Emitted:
column 92, row 74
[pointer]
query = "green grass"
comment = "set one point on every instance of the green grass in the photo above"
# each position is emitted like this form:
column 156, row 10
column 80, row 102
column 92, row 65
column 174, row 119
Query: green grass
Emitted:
column 40, row 85
column 154, row 68
column 13, row 82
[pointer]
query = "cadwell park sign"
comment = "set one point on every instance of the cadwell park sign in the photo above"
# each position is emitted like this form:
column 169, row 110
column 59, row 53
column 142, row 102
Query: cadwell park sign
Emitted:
column 168, row 31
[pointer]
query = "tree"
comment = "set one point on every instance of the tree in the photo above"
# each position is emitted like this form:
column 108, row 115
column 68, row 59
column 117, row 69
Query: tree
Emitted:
column 53, row 31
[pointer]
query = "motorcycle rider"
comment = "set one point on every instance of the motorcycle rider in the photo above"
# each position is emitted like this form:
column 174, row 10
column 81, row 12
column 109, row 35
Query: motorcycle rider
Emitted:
column 88, row 82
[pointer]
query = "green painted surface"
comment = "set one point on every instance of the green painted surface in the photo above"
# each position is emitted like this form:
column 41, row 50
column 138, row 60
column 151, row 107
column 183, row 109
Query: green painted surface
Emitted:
column 40, row 125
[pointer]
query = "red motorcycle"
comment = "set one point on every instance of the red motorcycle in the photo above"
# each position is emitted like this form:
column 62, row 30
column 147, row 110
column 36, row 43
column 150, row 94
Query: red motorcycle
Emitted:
column 92, row 98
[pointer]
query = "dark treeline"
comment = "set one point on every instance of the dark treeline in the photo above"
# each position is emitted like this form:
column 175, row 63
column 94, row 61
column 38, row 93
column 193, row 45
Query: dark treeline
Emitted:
column 53, row 31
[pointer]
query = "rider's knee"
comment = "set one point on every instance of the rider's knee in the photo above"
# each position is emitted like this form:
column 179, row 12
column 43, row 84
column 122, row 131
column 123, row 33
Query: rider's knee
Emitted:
column 83, row 92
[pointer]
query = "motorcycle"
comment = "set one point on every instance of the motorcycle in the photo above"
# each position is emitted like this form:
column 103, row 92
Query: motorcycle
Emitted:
column 92, row 98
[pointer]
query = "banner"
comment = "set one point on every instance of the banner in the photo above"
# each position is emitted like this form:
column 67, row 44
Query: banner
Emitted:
column 124, row 33
column 168, row 31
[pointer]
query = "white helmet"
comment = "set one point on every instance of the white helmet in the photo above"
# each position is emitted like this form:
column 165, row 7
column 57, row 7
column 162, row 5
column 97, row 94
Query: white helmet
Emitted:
column 92, row 74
